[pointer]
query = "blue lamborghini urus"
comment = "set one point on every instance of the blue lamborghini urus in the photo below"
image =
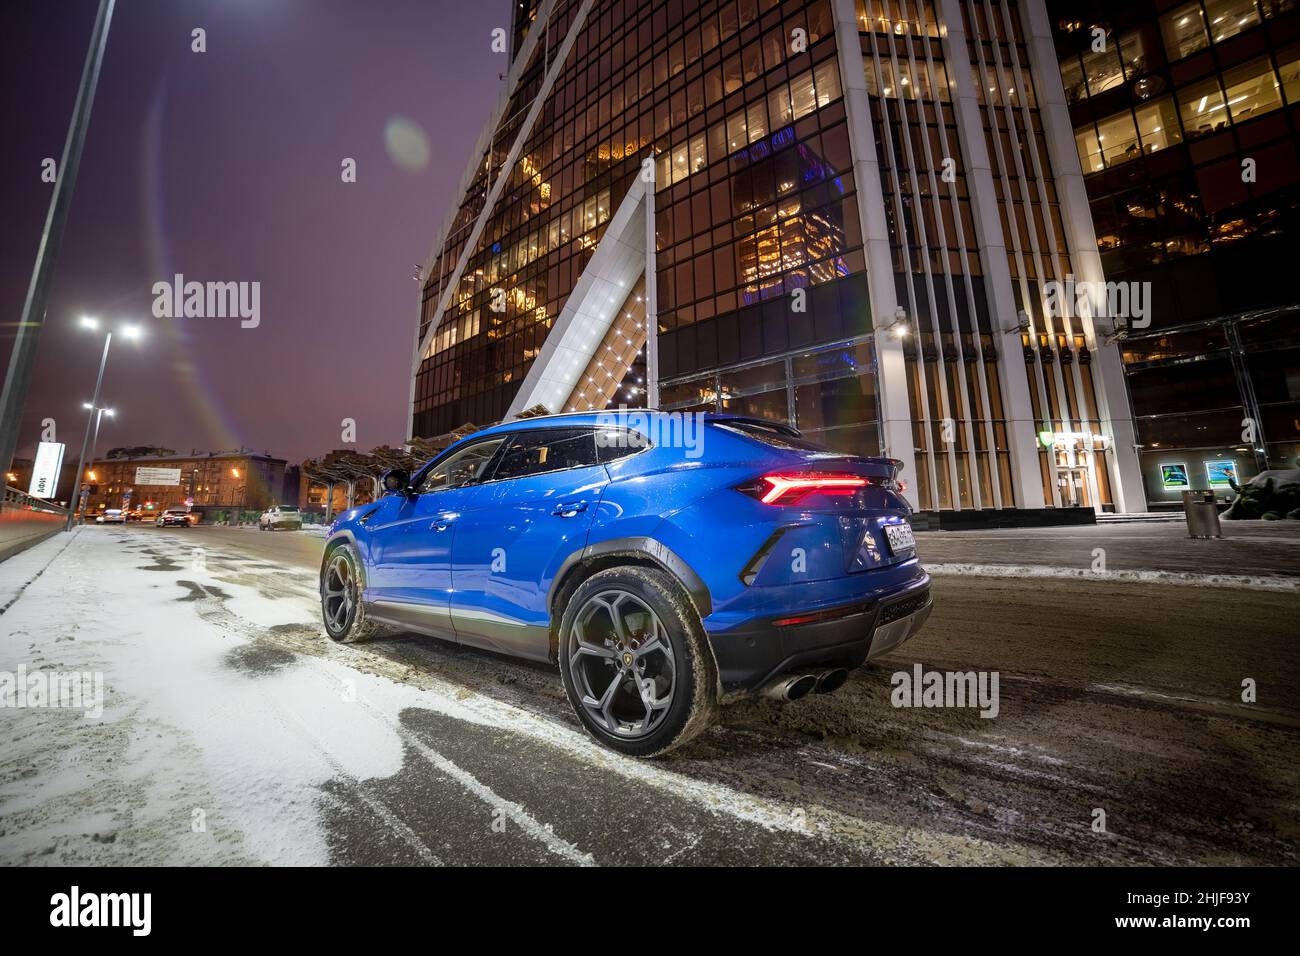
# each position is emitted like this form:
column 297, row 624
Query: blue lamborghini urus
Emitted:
column 668, row 562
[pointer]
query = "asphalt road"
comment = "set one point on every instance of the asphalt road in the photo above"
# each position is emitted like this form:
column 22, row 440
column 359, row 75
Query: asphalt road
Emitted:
column 1123, row 698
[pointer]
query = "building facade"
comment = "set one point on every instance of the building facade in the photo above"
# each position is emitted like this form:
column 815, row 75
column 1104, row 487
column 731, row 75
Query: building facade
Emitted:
column 848, row 216
column 226, row 481
column 1186, row 120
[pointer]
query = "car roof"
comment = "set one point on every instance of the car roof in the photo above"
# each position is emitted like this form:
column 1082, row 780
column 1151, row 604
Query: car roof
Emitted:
column 608, row 417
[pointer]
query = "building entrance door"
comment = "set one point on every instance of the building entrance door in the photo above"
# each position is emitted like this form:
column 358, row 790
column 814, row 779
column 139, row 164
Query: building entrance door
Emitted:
column 1075, row 481
column 1074, row 488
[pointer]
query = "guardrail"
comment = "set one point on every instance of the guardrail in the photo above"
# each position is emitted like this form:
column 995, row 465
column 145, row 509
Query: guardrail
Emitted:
column 25, row 521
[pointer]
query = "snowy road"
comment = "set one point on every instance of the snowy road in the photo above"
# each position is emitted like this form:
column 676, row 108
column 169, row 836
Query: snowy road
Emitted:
column 233, row 731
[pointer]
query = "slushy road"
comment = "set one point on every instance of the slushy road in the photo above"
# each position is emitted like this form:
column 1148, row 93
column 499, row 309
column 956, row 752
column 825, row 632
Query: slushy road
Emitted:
column 1118, row 701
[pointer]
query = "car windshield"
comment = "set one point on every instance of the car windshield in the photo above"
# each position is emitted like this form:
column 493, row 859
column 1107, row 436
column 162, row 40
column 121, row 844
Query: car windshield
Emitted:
column 284, row 509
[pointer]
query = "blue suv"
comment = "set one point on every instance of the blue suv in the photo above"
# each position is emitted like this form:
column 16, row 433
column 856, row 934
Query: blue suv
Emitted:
column 668, row 562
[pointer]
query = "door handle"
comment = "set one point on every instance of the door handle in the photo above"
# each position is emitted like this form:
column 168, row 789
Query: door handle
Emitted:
column 568, row 509
column 440, row 524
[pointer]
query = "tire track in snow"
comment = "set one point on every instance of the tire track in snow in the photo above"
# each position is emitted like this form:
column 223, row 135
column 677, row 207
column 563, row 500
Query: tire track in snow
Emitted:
column 212, row 611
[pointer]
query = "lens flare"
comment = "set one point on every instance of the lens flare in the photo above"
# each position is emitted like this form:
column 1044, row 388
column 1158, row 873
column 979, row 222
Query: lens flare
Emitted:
column 407, row 144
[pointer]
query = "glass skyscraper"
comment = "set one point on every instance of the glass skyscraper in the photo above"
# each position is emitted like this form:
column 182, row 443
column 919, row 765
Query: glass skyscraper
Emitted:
column 848, row 216
column 1187, row 123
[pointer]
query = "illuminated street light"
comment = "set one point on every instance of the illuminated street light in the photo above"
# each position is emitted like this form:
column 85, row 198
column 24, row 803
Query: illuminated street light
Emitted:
column 131, row 332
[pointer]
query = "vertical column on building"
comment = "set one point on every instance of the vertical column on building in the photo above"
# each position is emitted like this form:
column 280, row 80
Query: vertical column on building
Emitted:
column 1022, row 430
column 651, row 288
column 891, row 383
column 1076, row 215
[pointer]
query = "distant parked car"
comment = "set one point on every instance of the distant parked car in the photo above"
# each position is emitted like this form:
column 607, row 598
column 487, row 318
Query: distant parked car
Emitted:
column 177, row 518
column 281, row 516
column 112, row 516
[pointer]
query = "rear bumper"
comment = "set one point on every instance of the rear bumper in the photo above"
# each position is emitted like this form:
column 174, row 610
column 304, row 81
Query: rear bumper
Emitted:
column 848, row 636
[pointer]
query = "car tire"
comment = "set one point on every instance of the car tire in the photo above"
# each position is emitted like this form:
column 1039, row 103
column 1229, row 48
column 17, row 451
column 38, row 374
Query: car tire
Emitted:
column 351, row 626
column 692, row 694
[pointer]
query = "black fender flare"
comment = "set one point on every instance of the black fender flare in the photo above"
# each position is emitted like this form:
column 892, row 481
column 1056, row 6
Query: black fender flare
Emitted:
column 645, row 547
column 341, row 537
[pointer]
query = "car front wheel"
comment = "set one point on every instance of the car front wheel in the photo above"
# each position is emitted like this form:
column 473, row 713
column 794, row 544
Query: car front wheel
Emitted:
column 340, row 597
column 636, row 662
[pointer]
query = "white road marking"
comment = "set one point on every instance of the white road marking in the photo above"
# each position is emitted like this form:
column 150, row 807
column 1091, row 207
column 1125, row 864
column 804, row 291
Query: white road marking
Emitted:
column 514, row 811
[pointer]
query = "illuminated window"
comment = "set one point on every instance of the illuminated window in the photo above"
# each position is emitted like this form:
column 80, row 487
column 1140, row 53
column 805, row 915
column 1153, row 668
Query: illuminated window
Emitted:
column 1184, row 31
column 1230, row 17
column 1158, row 125
column 1252, row 89
column 1118, row 138
column 1202, row 108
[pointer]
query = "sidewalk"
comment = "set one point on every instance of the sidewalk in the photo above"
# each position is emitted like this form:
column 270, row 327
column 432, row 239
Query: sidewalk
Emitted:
column 1248, row 549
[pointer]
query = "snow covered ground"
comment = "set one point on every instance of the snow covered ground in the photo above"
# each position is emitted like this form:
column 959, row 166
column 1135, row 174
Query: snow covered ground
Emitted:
column 216, row 747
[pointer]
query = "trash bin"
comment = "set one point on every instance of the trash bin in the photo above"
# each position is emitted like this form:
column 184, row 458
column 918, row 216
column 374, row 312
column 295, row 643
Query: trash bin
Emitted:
column 1202, row 514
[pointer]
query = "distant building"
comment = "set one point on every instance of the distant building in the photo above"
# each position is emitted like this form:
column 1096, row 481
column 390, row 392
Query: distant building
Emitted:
column 312, row 495
column 234, row 480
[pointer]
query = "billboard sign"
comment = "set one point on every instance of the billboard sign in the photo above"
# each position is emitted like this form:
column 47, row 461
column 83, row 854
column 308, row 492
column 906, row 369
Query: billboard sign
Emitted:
column 1221, row 473
column 45, row 470
column 1174, row 476
column 157, row 476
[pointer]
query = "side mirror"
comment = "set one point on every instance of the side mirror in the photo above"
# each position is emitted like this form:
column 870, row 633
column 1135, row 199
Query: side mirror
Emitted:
column 397, row 480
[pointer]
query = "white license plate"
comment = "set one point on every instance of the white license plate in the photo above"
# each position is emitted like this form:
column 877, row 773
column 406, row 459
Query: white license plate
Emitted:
column 900, row 537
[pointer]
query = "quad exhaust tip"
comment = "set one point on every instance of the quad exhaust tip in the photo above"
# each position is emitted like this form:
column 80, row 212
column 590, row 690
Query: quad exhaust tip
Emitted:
column 794, row 686
column 791, row 687
column 831, row 680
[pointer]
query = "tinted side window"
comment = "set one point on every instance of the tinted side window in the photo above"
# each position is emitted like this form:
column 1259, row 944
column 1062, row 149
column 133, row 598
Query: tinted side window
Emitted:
column 537, row 452
column 465, row 466
column 615, row 443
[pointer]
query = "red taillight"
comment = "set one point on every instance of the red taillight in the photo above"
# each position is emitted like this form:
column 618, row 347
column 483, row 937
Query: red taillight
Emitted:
column 788, row 489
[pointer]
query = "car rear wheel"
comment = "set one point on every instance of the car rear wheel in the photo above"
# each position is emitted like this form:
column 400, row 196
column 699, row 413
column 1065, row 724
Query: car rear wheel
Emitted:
column 340, row 597
column 636, row 663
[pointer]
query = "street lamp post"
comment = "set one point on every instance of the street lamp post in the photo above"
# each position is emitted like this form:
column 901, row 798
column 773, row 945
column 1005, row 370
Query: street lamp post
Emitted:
column 130, row 332
column 94, row 403
column 94, row 438
column 23, row 355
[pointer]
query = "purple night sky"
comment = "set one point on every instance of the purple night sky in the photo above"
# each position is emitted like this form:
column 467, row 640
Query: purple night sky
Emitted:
column 225, row 166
